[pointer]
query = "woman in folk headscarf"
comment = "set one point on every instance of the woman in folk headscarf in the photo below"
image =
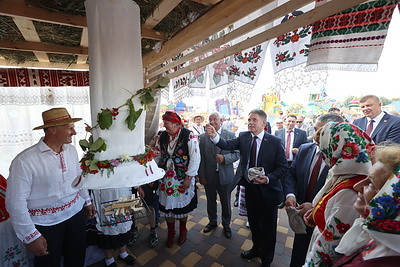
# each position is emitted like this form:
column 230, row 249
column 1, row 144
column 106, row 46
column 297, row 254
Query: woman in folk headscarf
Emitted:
column 374, row 239
column 345, row 148
column 180, row 158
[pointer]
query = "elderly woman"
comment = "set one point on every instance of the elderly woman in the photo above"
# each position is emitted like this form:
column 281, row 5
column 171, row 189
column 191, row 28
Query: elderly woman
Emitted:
column 374, row 239
column 180, row 158
column 345, row 149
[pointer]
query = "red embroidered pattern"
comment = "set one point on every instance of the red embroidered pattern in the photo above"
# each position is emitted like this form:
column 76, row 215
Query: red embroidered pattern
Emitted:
column 31, row 236
column 41, row 212
column 354, row 19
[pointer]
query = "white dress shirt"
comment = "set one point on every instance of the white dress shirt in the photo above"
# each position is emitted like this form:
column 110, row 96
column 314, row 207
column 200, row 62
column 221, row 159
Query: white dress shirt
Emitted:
column 291, row 143
column 39, row 189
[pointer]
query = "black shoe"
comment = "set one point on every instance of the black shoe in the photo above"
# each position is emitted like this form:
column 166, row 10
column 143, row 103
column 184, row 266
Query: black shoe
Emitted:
column 249, row 254
column 236, row 203
column 209, row 227
column 112, row 265
column 227, row 232
column 128, row 260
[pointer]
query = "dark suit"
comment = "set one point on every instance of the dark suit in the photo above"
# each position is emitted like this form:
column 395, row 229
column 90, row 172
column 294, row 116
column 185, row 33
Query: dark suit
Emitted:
column 217, row 181
column 261, row 200
column 300, row 137
column 388, row 128
column 296, row 182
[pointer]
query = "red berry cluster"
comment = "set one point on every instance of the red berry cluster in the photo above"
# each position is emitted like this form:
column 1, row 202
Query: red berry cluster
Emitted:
column 114, row 112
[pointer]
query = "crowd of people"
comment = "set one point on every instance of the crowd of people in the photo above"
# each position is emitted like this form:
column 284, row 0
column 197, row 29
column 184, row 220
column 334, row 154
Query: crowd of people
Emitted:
column 338, row 181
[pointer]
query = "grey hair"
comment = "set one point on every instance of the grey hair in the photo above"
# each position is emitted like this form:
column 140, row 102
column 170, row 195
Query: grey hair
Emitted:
column 260, row 113
column 330, row 117
column 215, row 113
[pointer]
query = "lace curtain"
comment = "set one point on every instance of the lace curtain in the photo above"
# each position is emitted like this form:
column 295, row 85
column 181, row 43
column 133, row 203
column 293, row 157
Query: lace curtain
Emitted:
column 21, row 109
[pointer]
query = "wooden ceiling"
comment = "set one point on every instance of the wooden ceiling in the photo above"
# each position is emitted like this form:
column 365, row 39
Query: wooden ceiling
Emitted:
column 213, row 16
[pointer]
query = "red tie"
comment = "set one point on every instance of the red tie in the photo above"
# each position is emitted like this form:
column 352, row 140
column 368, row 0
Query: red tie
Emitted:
column 370, row 127
column 313, row 178
column 253, row 153
column 287, row 148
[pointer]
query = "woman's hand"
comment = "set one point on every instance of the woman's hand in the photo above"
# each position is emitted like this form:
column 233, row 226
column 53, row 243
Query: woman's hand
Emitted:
column 308, row 218
column 187, row 181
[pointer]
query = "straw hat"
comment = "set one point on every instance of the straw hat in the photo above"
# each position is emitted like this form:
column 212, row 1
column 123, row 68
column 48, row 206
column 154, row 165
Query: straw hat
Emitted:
column 55, row 117
column 198, row 116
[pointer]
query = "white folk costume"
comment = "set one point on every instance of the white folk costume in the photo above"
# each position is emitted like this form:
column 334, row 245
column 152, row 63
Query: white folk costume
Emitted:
column 345, row 148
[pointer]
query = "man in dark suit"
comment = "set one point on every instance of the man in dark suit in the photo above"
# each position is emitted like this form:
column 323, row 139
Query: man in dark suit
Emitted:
column 380, row 125
column 216, row 174
column 263, row 194
column 297, row 137
column 299, row 188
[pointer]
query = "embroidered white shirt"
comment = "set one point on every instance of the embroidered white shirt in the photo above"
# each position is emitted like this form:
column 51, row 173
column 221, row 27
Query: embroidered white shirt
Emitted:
column 39, row 189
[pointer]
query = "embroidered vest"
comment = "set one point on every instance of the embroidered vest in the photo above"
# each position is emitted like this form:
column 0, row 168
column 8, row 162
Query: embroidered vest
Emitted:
column 180, row 156
column 319, row 210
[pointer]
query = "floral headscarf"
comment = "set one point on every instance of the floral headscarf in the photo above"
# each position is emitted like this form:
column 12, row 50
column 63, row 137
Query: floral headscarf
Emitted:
column 345, row 149
column 382, row 223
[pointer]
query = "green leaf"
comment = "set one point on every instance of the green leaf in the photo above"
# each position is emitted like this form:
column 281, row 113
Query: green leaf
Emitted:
column 93, row 165
column 146, row 98
column 104, row 119
column 103, row 147
column 97, row 145
column 163, row 82
column 84, row 144
column 132, row 118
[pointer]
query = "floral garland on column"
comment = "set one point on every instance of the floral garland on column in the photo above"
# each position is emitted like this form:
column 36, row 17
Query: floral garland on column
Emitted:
column 105, row 119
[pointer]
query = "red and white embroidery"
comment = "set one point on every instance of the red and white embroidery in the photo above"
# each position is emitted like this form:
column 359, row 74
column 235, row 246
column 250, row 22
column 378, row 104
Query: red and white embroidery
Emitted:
column 41, row 212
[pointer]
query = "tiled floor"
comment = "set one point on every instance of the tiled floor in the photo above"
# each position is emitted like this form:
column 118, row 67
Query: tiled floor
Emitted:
column 211, row 249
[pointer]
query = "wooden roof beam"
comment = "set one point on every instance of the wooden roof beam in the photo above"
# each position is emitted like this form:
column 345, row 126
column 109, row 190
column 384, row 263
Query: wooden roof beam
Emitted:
column 160, row 12
column 43, row 47
column 28, row 30
column 225, row 13
column 207, row 2
column 19, row 9
column 44, row 65
column 307, row 18
column 248, row 27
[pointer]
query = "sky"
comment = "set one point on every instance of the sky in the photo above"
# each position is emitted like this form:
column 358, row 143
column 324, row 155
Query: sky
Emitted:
column 341, row 84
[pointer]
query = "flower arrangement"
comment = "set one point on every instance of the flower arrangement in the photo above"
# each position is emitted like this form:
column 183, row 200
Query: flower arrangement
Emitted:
column 93, row 166
column 105, row 118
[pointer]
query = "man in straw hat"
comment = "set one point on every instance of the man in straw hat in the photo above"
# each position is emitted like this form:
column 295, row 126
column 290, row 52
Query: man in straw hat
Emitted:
column 197, row 128
column 46, row 212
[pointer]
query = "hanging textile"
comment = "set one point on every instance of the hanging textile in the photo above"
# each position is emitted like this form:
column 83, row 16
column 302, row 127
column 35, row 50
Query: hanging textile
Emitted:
column 352, row 39
column 15, row 77
column 291, row 49
column 23, row 96
column 296, row 78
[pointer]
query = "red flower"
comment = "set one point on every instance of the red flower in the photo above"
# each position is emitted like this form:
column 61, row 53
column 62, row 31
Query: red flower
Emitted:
column 179, row 152
column 280, row 38
column 295, row 38
column 343, row 227
column 326, row 258
column 181, row 189
column 350, row 150
column 169, row 191
column 162, row 187
column 328, row 235
column 387, row 225
column 244, row 60
column 170, row 173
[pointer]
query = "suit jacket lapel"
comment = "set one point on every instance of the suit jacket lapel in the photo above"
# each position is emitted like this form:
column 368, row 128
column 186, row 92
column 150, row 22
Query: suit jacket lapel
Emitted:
column 380, row 125
column 307, row 164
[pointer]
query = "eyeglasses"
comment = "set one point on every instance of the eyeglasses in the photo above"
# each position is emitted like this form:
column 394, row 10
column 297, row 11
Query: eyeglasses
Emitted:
column 299, row 121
